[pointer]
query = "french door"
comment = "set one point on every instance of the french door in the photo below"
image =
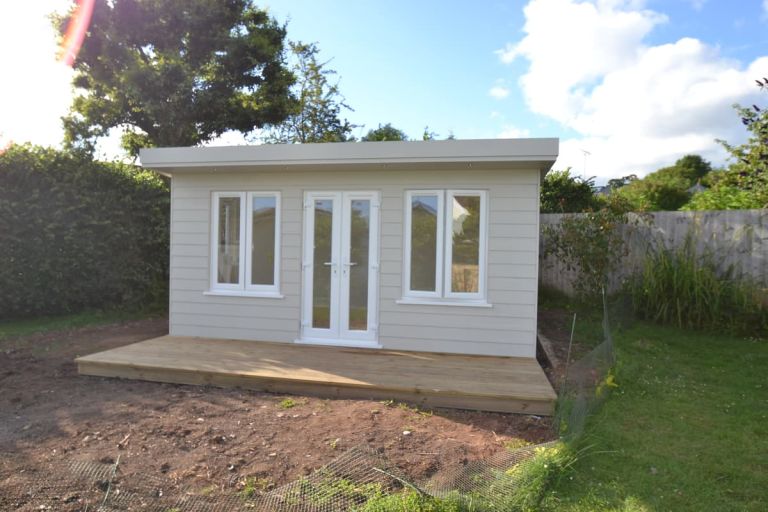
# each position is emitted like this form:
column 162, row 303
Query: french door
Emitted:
column 340, row 268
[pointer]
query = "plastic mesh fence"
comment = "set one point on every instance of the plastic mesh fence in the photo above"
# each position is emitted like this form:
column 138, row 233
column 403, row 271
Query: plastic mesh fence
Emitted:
column 586, row 385
column 344, row 484
column 360, row 476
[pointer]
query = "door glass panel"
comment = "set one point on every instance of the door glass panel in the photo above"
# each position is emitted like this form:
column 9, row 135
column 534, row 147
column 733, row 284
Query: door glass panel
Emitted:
column 323, row 253
column 423, row 243
column 465, row 226
column 263, row 240
column 228, row 238
column 358, row 264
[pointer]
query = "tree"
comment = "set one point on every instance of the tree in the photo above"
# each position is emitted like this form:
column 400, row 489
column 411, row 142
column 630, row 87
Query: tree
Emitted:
column 563, row 193
column 617, row 183
column 667, row 188
column 745, row 183
column 177, row 72
column 315, row 116
column 384, row 133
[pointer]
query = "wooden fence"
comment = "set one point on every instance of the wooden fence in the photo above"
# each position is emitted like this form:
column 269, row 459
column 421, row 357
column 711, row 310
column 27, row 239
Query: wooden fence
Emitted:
column 737, row 239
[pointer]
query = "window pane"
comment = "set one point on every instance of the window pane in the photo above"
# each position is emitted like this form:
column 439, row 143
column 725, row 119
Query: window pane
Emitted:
column 423, row 242
column 358, row 264
column 323, row 254
column 465, row 226
column 263, row 240
column 229, row 240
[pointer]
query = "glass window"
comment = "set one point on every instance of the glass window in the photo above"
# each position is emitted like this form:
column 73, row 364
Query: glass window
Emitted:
column 424, row 223
column 465, row 244
column 359, row 241
column 445, row 243
column 246, row 242
column 263, row 224
column 323, row 256
column 229, row 240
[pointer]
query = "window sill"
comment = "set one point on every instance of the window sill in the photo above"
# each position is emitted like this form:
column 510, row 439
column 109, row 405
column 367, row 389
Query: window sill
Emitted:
column 238, row 293
column 428, row 302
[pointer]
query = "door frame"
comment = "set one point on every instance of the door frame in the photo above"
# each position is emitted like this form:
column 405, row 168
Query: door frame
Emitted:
column 338, row 334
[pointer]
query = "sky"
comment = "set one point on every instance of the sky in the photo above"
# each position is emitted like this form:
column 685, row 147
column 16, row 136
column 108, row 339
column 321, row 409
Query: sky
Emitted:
column 628, row 86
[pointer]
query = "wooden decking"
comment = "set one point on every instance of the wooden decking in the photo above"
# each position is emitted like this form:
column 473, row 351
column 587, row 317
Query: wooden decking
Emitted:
column 503, row 384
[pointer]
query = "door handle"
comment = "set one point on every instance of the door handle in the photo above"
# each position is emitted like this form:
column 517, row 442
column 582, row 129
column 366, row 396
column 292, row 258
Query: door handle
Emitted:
column 351, row 264
column 328, row 263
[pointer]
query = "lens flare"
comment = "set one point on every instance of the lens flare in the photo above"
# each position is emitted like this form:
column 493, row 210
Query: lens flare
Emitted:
column 76, row 29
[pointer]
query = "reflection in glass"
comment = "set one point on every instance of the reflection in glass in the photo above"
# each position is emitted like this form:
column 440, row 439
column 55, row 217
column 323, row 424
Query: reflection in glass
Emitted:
column 228, row 240
column 423, row 243
column 358, row 264
column 321, row 280
column 263, row 240
column 465, row 267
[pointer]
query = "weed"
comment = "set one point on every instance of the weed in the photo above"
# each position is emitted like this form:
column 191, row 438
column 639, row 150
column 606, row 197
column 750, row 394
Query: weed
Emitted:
column 253, row 486
column 679, row 287
column 411, row 501
column 208, row 490
column 414, row 409
column 515, row 444
column 290, row 403
column 332, row 490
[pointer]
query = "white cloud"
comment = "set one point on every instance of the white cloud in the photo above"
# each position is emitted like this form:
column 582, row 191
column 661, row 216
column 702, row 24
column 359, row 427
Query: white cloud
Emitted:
column 634, row 107
column 36, row 90
column 699, row 4
column 499, row 92
column 765, row 6
column 512, row 132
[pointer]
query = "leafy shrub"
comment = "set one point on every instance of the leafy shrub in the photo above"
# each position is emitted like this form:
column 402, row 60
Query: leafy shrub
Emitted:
column 590, row 243
column 79, row 234
column 666, row 189
column 562, row 192
column 679, row 287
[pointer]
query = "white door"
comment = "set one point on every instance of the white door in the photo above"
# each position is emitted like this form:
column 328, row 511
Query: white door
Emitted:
column 341, row 268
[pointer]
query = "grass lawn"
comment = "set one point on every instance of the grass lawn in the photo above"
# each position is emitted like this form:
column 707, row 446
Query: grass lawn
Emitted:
column 25, row 327
column 687, row 428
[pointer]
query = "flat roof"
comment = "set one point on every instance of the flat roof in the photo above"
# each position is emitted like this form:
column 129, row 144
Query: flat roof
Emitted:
column 539, row 153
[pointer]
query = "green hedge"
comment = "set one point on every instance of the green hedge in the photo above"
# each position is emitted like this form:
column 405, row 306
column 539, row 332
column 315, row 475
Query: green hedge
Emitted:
column 78, row 234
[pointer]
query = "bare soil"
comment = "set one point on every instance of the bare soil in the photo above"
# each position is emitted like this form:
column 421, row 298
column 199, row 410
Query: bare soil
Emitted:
column 213, row 439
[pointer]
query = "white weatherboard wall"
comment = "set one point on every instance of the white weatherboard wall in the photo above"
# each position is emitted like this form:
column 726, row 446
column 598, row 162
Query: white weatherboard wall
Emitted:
column 508, row 328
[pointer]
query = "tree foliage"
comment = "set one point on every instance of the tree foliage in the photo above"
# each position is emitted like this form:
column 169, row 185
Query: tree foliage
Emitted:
column 592, row 244
column 562, row 192
column 745, row 183
column 316, row 117
column 79, row 234
column 386, row 132
column 177, row 72
column 667, row 188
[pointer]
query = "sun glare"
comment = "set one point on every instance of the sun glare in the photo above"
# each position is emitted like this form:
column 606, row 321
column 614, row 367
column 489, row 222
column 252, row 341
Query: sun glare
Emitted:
column 76, row 29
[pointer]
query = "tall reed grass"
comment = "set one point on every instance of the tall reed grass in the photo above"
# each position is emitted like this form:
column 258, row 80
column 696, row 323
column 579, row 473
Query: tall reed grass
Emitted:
column 680, row 287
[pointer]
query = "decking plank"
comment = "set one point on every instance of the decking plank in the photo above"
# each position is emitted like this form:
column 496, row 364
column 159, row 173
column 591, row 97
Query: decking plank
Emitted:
column 505, row 384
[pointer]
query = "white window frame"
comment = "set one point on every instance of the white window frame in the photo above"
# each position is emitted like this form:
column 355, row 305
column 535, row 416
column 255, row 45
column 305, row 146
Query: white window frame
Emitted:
column 243, row 286
column 482, row 246
column 444, row 258
column 439, row 242
column 262, row 288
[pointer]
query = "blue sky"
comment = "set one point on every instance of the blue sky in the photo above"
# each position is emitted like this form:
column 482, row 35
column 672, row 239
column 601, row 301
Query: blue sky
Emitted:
column 435, row 62
column 633, row 83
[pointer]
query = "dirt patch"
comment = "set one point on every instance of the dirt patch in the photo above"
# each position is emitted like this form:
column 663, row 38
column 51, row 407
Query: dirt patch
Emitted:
column 555, row 325
column 210, row 439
